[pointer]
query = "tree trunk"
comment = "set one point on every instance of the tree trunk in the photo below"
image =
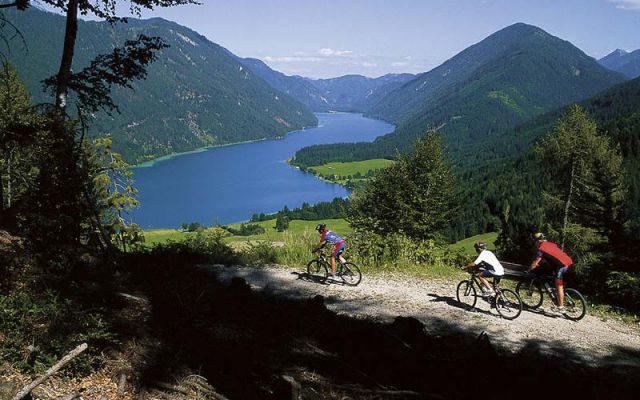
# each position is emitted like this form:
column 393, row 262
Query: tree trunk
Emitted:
column 567, row 205
column 64, row 74
column 9, row 178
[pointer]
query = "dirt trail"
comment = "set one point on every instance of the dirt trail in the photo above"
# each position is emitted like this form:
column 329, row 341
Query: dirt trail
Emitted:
column 383, row 297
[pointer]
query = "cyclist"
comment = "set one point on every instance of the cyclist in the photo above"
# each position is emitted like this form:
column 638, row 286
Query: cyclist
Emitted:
column 338, row 245
column 557, row 259
column 492, row 267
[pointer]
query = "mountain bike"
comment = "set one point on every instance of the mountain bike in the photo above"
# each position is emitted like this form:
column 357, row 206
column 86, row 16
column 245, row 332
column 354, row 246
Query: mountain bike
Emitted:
column 506, row 301
column 349, row 272
column 532, row 293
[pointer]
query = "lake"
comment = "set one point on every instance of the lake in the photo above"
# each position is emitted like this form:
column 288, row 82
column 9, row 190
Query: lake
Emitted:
column 228, row 184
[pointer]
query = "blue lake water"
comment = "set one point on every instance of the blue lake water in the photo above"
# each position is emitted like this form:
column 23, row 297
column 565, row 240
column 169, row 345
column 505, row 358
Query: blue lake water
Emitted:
column 228, row 184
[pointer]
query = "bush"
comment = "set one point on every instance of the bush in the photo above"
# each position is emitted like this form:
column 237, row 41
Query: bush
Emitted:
column 624, row 289
column 54, row 326
column 261, row 252
column 211, row 245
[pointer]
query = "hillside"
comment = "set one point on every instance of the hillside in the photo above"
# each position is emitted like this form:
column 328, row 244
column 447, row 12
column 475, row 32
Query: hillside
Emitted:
column 195, row 94
column 351, row 93
column 624, row 62
column 510, row 77
column 297, row 87
column 358, row 93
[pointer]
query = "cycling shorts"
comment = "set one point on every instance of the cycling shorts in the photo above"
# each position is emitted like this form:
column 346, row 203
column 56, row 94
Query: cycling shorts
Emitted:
column 338, row 249
column 562, row 271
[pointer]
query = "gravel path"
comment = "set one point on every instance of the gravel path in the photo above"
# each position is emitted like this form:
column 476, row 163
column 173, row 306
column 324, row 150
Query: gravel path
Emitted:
column 383, row 297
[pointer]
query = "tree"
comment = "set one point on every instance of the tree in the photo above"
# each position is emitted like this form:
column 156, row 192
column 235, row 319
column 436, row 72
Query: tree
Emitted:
column 115, row 194
column 587, row 173
column 416, row 196
column 16, row 113
column 62, row 200
column 282, row 222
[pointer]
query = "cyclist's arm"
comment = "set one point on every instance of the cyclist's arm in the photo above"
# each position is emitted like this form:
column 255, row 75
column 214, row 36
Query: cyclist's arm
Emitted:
column 323, row 243
column 535, row 264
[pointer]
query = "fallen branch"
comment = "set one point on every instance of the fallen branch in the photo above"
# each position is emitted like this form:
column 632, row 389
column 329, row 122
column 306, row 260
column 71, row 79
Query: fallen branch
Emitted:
column 70, row 396
column 57, row 367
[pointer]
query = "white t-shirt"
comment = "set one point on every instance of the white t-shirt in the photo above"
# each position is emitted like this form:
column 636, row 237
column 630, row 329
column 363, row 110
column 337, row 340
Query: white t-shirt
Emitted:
column 489, row 258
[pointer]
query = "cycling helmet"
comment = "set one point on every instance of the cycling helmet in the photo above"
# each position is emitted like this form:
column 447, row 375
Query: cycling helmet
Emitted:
column 321, row 227
column 539, row 236
column 479, row 246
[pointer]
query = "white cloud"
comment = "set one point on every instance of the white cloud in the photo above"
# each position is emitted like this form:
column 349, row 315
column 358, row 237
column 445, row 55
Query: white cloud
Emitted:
column 626, row 4
column 293, row 59
column 328, row 52
column 399, row 64
column 369, row 64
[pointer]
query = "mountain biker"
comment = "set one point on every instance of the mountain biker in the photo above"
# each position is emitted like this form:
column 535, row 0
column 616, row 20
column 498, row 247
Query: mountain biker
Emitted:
column 492, row 267
column 557, row 259
column 338, row 245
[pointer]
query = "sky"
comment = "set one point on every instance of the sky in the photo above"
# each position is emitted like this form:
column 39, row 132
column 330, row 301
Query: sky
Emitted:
column 328, row 38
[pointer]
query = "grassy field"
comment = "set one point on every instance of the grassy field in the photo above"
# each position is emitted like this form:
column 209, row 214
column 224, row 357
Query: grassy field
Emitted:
column 466, row 245
column 296, row 227
column 344, row 169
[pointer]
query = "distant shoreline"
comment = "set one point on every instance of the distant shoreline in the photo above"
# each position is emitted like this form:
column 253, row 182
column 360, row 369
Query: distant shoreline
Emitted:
column 152, row 162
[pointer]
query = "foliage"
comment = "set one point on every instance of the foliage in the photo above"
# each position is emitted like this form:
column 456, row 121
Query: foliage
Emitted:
column 624, row 288
column 336, row 208
column 246, row 229
column 415, row 196
column 210, row 244
column 282, row 221
column 50, row 324
column 115, row 193
column 192, row 227
column 258, row 253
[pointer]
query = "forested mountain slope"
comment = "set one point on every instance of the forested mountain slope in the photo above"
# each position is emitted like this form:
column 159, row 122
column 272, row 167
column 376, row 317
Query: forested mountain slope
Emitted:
column 195, row 94
column 624, row 62
column 358, row 93
column 514, row 177
column 297, row 87
column 510, row 77
column 352, row 93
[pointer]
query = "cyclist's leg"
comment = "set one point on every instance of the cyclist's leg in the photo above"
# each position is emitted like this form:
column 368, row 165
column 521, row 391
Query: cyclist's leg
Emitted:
column 335, row 254
column 560, row 284
column 483, row 279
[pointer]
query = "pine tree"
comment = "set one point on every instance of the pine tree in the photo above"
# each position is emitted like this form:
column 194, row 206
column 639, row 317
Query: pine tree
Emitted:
column 17, row 130
column 416, row 196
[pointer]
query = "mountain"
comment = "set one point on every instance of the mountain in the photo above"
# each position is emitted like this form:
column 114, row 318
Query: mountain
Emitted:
column 354, row 93
column 514, row 75
column 623, row 62
column 514, row 177
column 358, row 93
column 195, row 94
column 297, row 87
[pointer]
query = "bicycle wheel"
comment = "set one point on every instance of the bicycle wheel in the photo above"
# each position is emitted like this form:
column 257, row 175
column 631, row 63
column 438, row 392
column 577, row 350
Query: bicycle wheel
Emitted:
column 508, row 304
column 530, row 293
column 466, row 294
column 350, row 274
column 317, row 270
column 575, row 305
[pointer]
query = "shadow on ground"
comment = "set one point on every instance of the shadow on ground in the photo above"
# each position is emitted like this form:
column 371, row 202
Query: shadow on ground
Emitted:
column 244, row 342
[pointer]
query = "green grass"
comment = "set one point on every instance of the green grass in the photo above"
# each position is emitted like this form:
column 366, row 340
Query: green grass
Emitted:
column 466, row 245
column 344, row 169
column 297, row 227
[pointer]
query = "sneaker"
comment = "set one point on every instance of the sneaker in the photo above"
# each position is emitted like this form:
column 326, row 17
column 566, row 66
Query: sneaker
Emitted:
column 488, row 293
column 558, row 309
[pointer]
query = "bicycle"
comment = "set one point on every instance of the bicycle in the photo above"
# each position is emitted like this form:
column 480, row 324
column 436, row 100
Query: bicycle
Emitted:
column 506, row 301
column 532, row 295
column 349, row 272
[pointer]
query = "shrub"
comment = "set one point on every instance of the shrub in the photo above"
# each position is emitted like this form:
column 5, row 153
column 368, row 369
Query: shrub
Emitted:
column 261, row 252
column 624, row 289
